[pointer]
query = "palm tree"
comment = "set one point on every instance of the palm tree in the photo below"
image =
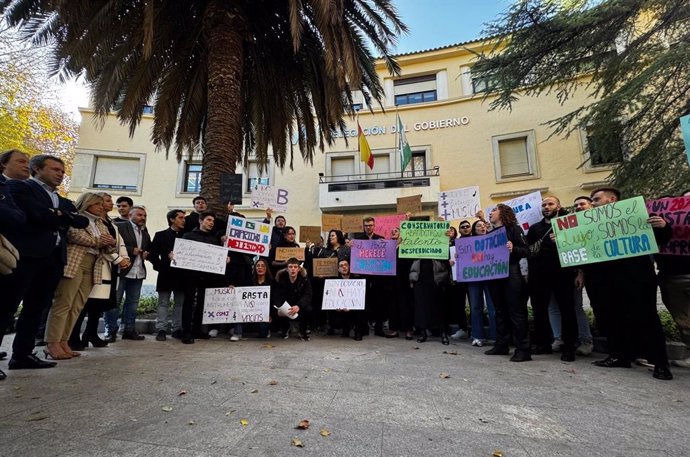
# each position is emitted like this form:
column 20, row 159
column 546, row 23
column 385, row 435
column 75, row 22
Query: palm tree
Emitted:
column 228, row 77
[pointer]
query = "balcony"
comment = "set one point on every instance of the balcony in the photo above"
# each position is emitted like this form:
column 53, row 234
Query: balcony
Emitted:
column 377, row 190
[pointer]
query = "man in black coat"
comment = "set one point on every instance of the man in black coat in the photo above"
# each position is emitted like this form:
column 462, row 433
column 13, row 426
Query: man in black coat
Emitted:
column 169, row 280
column 192, row 220
column 376, row 302
column 292, row 287
column 42, row 244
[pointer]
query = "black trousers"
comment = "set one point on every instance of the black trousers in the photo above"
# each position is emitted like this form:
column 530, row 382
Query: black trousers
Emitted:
column 376, row 302
column 355, row 319
column 511, row 311
column 195, row 286
column 33, row 284
column 561, row 283
column 457, row 298
column 597, row 291
column 401, row 307
column 92, row 312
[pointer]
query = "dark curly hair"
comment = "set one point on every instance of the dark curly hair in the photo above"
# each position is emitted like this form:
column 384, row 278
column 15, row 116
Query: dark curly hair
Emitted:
column 339, row 235
column 506, row 215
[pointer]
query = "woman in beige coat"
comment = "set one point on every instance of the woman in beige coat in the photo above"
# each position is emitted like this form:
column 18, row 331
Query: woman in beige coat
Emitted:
column 86, row 249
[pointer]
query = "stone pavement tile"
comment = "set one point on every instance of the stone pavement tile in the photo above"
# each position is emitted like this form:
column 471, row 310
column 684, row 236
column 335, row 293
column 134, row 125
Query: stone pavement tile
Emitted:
column 348, row 437
column 547, row 448
column 193, row 427
column 282, row 399
column 85, row 447
column 406, row 441
column 27, row 440
column 328, row 380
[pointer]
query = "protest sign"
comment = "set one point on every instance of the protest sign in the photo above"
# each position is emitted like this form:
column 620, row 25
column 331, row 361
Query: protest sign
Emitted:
column 424, row 240
column 610, row 232
column 459, row 203
column 385, row 224
column 282, row 254
column 454, row 267
column 373, row 257
column 527, row 209
column 330, row 222
column 231, row 188
column 685, row 130
column 249, row 237
column 264, row 196
column 228, row 305
column 325, row 268
column 193, row 255
column 352, row 224
column 676, row 213
column 482, row 257
column 411, row 204
column 309, row 233
column 344, row 294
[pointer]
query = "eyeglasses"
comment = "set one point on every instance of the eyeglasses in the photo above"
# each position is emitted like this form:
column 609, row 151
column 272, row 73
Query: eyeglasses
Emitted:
column 465, row 226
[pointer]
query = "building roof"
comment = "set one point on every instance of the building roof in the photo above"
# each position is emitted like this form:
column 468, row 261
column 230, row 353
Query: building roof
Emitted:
column 439, row 48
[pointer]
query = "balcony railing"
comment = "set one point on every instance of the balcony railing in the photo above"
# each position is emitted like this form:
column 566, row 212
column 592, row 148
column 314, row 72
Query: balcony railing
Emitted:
column 372, row 181
column 380, row 176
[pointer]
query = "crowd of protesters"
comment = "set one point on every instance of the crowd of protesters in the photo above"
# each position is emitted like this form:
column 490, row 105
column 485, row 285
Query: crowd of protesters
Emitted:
column 76, row 264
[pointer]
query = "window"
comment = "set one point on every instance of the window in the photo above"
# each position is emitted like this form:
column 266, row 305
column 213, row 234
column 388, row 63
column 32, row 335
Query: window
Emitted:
column 148, row 109
column 482, row 83
column 256, row 177
column 342, row 166
column 417, row 165
column 418, row 89
column 192, row 178
column 382, row 166
column 603, row 150
column 356, row 107
column 116, row 173
column 515, row 156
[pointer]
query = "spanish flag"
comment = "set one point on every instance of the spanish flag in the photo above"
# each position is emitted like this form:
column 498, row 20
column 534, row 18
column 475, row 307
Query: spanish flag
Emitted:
column 364, row 149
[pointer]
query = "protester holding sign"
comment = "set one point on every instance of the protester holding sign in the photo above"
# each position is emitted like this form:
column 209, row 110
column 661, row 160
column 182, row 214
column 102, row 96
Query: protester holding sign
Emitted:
column 631, row 298
column 457, row 293
column 430, row 278
column 261, row 276
column 400, row 302
column 376, row 303
column 292, row 288
column 288, row 241
column 352, row 319
column 511, row 309
column 479, row 292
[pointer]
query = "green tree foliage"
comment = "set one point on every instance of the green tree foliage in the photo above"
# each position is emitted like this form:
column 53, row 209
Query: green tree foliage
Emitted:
column 231, row 78
column 632, row 56
column 30, row 118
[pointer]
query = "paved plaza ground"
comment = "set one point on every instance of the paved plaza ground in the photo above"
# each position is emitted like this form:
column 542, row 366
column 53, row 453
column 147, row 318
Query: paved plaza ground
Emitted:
column 376, row 398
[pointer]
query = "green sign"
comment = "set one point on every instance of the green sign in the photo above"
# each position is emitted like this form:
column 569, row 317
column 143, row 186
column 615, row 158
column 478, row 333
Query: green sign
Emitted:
column 424, row 240
column 610, row 232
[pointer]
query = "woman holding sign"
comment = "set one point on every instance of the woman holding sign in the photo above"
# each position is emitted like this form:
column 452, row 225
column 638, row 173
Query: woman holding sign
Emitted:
column 506, row 293
column 478, row 292
column 430, row 279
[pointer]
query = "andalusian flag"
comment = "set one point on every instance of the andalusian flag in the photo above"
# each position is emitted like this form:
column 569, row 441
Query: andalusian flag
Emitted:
column 364, row 149
column 403, row 146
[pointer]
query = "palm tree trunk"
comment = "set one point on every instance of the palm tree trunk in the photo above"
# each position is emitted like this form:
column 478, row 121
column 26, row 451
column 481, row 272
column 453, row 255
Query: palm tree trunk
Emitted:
column 223, row 136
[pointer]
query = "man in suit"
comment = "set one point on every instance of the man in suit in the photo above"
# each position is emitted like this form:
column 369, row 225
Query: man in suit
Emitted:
column 14, row 164
column 169, row 280
column 124, row 205
column 42, row 244
column 376, row 303
column 192, row 220
column 137, row 241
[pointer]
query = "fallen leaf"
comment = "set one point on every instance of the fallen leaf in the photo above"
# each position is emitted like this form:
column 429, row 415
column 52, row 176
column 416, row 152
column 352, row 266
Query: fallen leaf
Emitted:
column 167, row 409
column 303, row 424
column 268, row 346
column 415, row 347
column 255, row 391
column 483, row 421
column 450, row 352
column 16, row 387
column 182, row 392
column 191, row 422
column 244, row 422
column 214, row 382
column 273, row 382
column 326, row 370
column 324, row 432
column 465, row 379
column 572, row 371
column 297, row 442
column 37, row 418
column 444, row 376
column 497, row 454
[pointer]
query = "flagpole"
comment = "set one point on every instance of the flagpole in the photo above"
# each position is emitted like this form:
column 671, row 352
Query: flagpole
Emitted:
column 397, row 145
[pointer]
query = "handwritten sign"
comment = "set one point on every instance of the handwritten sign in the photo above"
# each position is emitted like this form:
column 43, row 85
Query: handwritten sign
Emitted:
column 197, row 256
column 282, row 254
column 482, row 257
column 238, row 304
column 325, row 268
column 685, row 130
column 330, row 222
column 610, row 232
column 527, row 209
column 344, row 294
column 411, row 204
column 424, row 240
column 459, row 203
column 264, row 196
column 249, row 237
column 309, row 233
column 386, row 224
column 352, row 224
column 373, row 257
column 676, row 212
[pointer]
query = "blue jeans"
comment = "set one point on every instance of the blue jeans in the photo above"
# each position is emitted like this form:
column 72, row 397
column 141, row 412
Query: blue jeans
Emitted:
column 479, row 293
column 162, row 312
column 583, row 330
column 131, row 290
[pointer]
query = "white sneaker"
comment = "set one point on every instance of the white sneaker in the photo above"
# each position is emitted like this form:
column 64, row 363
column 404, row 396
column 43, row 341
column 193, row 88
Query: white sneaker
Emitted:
column 213, row 333
column 556, row 345
column 584, row 349
column 460, row 335
column 477, row 342
column 235, row 337
column 681, row 363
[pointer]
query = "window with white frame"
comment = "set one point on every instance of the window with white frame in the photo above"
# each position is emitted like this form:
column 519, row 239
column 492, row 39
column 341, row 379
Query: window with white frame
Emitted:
column 256, row 176
column 602, row 151
column 116, row 173
column 192, row 178
column 515, row 156
column 342, row 166
column 417, row 89
column 417, row 165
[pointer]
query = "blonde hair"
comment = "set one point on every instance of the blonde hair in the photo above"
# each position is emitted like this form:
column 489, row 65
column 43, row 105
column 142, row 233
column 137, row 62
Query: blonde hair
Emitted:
column 87, row 199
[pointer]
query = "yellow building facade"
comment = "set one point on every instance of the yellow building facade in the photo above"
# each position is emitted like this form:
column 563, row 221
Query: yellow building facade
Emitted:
column 456, row 142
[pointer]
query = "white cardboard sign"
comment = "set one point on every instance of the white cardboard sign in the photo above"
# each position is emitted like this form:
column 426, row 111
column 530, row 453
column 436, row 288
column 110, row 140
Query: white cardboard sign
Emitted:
column 228, row 305
column 264, row 196
column 459, row 203
column 344, row 294
column 197, row 256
